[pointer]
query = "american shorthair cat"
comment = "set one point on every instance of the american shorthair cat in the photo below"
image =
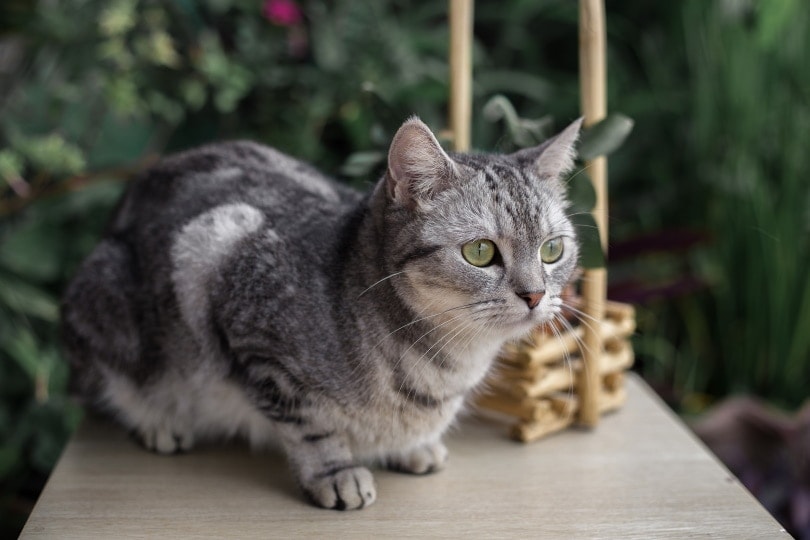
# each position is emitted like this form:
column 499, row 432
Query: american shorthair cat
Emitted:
column 240, row 292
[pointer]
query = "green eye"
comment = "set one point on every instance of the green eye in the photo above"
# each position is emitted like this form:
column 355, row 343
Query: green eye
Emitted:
column 479, row 252
column 551, row 250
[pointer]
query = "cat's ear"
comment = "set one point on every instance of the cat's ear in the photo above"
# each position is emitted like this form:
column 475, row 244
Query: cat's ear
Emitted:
column 556, row 156
column 418, row 168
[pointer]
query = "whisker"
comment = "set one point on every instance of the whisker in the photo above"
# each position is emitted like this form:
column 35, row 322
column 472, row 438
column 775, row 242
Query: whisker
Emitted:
column 458, row 329
column 581, row 343
column 464, row 306
column 580, row 313
column 380, row 281
column 566, row 354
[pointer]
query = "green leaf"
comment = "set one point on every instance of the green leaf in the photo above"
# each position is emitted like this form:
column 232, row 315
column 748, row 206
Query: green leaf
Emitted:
column 581, row 192
column 524, row 132
column 11, row 164
column 33, row 249
column 27, row 299
column 22, row 348
column 51, row 153
column 604, row 137
column 361, row 163
column 590, row 247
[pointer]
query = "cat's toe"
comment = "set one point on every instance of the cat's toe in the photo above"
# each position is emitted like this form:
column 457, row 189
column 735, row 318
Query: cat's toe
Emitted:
column 423, row 460
column 166, row 441
column 347, row 489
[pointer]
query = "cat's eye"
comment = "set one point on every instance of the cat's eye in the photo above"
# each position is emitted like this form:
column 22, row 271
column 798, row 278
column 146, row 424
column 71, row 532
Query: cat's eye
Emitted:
column 479, row 252
column 551, row 250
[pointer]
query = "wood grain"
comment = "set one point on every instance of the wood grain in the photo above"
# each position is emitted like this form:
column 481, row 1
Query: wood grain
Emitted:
column 593, row 97
column 641, row 474
column 461, row 36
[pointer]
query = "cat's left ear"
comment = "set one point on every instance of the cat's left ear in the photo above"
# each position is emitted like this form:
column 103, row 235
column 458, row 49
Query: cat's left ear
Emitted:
column 555, row 157
column 418, row 167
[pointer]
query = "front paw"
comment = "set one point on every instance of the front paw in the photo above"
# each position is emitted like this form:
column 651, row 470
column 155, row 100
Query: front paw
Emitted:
column 347, row 488
column 423, row 460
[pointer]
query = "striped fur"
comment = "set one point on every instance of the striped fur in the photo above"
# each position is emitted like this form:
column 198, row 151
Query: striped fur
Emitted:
column 239, row 292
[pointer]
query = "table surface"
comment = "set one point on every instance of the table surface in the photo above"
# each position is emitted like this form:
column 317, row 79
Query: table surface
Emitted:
column 639, row 474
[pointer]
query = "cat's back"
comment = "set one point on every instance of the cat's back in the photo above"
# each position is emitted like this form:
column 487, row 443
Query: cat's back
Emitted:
column 185, row 185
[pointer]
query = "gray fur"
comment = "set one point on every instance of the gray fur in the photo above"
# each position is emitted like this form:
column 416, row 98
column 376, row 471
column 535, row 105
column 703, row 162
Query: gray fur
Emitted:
column 239, row 292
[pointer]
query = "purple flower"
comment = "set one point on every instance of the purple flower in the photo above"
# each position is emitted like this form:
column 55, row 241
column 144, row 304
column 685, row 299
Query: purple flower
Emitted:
column 282, row 12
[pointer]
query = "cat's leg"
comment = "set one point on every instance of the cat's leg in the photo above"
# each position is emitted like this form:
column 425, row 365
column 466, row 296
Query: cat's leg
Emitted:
column 159, row 418
column 325, row 468
column 425, row 459
column 103, row 340
column 307, row 424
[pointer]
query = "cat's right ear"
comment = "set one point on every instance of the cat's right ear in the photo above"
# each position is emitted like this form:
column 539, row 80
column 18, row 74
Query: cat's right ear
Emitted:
column 418, row 167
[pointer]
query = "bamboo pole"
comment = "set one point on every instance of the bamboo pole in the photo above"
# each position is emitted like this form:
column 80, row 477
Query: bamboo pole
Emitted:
column 592, row 74
column 461, row 27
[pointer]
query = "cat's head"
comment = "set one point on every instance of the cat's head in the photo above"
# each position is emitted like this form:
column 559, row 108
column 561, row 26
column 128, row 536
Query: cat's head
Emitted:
column 484, row 240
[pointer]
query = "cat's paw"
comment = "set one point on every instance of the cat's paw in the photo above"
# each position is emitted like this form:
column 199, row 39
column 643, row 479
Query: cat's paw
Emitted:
column 165, row 440
column 349, row 488
column 422, row 460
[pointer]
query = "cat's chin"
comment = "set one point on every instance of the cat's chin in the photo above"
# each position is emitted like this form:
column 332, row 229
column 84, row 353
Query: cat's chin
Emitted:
column 521, row 326
column 517, row 329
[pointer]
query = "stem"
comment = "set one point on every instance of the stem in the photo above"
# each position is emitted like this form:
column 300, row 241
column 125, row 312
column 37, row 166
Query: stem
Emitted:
column 594, row 284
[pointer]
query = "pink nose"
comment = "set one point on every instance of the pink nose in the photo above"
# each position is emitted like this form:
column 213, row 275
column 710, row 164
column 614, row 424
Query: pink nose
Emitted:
column 532, row 299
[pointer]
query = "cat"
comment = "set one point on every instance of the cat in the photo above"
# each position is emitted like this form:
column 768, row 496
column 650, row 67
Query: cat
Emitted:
column 240, row 292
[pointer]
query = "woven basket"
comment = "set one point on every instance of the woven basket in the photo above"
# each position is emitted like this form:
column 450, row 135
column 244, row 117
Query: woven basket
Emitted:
column 535, row 382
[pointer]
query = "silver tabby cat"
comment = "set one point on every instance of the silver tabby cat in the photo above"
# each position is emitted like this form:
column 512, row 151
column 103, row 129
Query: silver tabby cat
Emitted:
column 239, row 292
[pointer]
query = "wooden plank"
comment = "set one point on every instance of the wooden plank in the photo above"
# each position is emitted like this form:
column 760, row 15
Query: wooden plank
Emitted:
column 640, row 475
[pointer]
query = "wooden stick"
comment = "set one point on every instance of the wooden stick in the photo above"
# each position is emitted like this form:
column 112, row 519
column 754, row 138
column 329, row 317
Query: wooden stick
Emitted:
column 461, row 33
column 592, row 74
column 530, row 410
column 531, row 431
column 562, row 377
column 565, row 407
column 554, row 350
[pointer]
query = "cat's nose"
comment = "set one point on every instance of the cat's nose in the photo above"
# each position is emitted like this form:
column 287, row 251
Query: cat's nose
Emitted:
column 533, row 298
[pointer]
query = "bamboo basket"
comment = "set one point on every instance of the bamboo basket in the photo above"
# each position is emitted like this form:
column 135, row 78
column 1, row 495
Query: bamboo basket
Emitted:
column 556, row 378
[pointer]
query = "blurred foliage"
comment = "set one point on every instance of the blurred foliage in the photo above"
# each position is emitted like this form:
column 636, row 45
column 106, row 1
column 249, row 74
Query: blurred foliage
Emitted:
column 723, row 116
column 91, row 90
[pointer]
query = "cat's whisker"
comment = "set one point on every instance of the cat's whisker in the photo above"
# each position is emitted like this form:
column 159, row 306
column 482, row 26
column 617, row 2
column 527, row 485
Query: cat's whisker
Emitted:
column 380, row 281
column 579, row 341
column 461, row 330
column 429, row 332
column 455, row 331
column 579, row 313
column 580, row 171
column 420, row 319
column 417, row 361
column 566, row 354
column 480, row 305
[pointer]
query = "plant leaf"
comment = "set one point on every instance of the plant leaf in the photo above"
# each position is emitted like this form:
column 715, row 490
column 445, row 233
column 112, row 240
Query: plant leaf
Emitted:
column 27, row 299
column 33, row 249
column 605, row 136
column 590, row 247
column 361, row 163
column 581, row 193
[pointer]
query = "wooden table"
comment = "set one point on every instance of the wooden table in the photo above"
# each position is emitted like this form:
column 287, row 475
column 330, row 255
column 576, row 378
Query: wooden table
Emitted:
column 640, row 474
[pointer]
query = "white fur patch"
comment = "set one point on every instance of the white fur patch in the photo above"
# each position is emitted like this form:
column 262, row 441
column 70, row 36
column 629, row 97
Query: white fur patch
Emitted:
column 198, row 251
column 169, row 419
